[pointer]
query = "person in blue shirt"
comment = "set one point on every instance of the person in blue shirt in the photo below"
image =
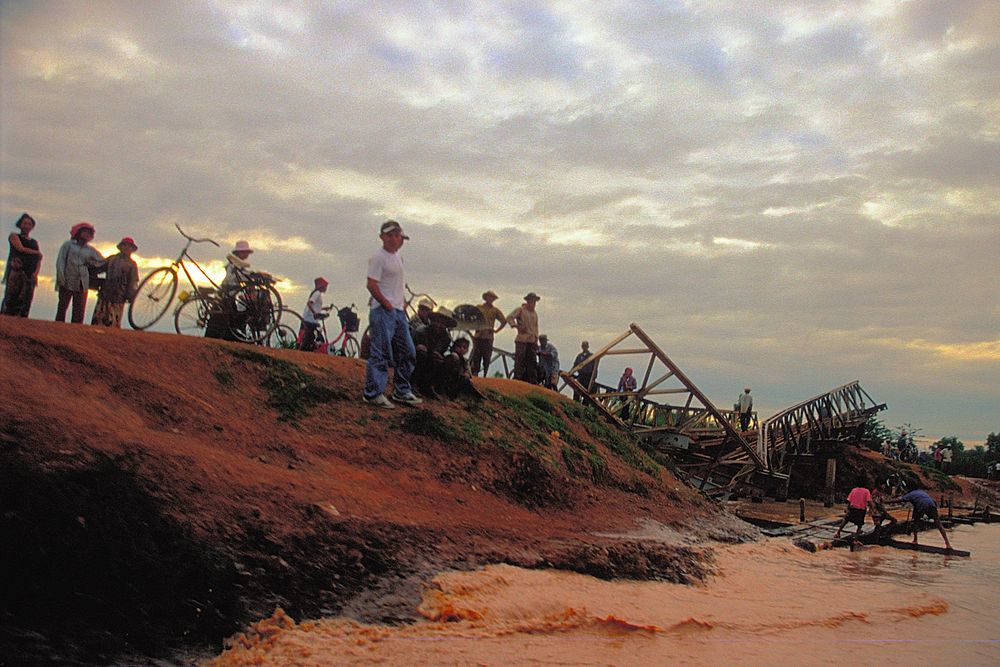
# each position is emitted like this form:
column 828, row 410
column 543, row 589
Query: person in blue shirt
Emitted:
column 923, row 506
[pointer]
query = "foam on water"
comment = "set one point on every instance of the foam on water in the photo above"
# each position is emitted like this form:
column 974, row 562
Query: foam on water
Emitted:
column 770, row 603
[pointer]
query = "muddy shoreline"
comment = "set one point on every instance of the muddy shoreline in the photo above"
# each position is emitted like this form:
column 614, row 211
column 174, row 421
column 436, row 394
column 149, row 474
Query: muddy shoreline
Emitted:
column 97, row 533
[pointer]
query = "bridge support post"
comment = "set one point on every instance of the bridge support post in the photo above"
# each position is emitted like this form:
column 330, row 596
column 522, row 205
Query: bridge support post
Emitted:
column 831, row 478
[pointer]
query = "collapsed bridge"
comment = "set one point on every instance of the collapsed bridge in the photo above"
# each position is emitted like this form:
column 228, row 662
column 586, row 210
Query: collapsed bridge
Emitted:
column 704, row 443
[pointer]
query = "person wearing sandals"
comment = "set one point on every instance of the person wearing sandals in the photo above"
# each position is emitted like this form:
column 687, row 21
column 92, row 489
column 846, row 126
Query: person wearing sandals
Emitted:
column 20, row 274
column 390, row 331
column 119, row 286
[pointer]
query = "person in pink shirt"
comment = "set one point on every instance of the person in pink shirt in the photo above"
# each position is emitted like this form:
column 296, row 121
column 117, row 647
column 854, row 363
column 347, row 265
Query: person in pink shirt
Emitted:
column 858, row 501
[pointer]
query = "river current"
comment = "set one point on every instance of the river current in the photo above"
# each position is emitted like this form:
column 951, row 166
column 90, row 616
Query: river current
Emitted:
column 770, row 603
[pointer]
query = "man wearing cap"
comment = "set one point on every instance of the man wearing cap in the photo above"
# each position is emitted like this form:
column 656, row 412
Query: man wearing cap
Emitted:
column 482, row 339
column 119, row 286
column 76, row 259
column 312, row 314
column 390, row 332
column 525, row 320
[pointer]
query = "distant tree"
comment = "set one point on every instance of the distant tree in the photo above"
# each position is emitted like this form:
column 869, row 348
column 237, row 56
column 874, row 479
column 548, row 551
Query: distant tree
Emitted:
column 874, row 433
column 971, row 463
column 993, row 446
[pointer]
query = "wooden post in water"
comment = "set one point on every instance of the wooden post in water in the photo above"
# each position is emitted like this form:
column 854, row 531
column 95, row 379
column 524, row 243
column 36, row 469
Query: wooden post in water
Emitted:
column 802, row 510
column 831, row 478
column 950, row 500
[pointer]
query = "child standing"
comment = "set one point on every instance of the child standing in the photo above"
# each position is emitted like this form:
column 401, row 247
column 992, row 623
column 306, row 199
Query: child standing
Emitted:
column 312, row 314
column 119, row 287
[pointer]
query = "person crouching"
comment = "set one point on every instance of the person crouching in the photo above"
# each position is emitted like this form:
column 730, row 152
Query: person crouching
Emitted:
column 456, row 375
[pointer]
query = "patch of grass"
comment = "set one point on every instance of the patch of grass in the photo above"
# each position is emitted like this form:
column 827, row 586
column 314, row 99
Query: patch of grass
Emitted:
column 225, row 377
column 473, row 430
column 291, row 391
column 424, row 422
column 537, row 412
column 534, row 411
column 625, row 446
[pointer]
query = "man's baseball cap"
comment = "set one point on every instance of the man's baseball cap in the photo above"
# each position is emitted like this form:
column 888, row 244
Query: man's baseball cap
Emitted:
column 390, row 226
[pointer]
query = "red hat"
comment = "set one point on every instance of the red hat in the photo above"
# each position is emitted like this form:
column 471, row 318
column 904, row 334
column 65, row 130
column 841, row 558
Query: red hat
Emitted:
column 78, row 227
column 321, row 281
column 127, row 240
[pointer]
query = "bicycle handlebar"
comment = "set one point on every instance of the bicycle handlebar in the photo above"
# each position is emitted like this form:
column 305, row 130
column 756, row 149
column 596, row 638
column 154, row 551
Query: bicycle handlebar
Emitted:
column 194, row 240
column 333, row 306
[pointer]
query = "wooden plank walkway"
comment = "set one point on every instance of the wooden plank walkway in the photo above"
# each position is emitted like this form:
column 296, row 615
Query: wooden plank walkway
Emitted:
column 820, row 534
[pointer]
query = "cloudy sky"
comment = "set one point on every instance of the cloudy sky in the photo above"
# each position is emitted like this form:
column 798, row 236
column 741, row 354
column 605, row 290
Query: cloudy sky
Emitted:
column 784, row 195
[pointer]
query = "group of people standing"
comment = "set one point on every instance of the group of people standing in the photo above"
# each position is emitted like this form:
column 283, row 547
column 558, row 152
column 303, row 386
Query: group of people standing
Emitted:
column 421, row 350
column 78, row 269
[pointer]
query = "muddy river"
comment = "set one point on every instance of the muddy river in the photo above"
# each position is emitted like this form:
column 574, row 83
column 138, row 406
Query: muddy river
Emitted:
column 771, row 603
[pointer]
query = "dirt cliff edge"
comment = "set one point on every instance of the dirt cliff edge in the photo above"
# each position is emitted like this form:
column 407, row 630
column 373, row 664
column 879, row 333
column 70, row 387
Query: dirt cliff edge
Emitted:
column 160, row 492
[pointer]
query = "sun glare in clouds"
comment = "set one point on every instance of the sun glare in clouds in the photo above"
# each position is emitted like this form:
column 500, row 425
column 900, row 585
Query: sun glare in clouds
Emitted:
column 738, row 244
column 325, row 184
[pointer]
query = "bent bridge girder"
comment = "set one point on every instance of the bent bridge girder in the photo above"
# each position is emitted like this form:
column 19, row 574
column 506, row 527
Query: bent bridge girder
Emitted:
column 801, row 429
column 679, row 428
column 703, row 442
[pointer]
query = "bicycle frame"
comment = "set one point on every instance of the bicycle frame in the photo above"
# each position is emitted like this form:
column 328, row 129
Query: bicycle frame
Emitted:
column 324, row 345
column 184, row 254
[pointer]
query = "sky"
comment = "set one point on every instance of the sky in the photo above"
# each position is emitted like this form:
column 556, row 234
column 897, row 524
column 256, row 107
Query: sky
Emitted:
column 784, row 195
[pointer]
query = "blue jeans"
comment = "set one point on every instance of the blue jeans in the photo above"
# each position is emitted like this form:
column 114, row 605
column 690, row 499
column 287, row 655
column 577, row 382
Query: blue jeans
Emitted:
column 390, row 343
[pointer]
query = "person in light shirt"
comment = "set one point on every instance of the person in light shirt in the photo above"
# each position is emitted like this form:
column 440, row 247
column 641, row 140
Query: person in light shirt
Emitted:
column 312, row 314
column 390, row 331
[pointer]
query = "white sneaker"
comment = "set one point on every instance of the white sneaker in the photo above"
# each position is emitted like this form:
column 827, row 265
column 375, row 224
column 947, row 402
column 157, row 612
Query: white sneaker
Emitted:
column 407, row 398
column 379, row 401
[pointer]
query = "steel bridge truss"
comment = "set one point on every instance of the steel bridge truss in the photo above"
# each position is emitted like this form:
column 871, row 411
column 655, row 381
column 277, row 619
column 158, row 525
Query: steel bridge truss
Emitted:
column 702, row 440
column 802, row 429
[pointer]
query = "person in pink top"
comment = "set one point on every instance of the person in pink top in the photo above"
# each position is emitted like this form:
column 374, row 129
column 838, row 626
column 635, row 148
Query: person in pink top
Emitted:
column 858, row 502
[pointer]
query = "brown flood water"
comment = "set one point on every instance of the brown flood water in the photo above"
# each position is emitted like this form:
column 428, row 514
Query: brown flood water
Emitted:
column 770, row 604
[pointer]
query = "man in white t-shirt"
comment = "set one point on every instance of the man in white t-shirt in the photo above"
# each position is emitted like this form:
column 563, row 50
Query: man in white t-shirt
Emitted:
column 312, row 314
column 390, row 330
column 745, row 405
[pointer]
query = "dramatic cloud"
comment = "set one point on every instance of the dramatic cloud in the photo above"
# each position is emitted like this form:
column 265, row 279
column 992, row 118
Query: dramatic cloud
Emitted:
column 783, row 194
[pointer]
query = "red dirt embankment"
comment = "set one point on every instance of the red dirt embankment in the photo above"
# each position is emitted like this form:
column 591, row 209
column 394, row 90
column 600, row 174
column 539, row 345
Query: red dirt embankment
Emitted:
column 161, row 491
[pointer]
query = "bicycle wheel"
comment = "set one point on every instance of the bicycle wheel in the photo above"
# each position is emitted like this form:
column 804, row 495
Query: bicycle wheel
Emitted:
column 152, row 298
column 350, row 347
column 282, row 338
column 257, row 313
column 191, row 317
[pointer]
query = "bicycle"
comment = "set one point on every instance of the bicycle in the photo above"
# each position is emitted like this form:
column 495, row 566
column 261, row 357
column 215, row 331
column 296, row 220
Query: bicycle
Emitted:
column 157, row 290
column 251, row 310
column 349, row 325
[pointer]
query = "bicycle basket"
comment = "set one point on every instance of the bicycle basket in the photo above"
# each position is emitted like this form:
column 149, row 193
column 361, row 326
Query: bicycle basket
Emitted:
column 349, row 320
